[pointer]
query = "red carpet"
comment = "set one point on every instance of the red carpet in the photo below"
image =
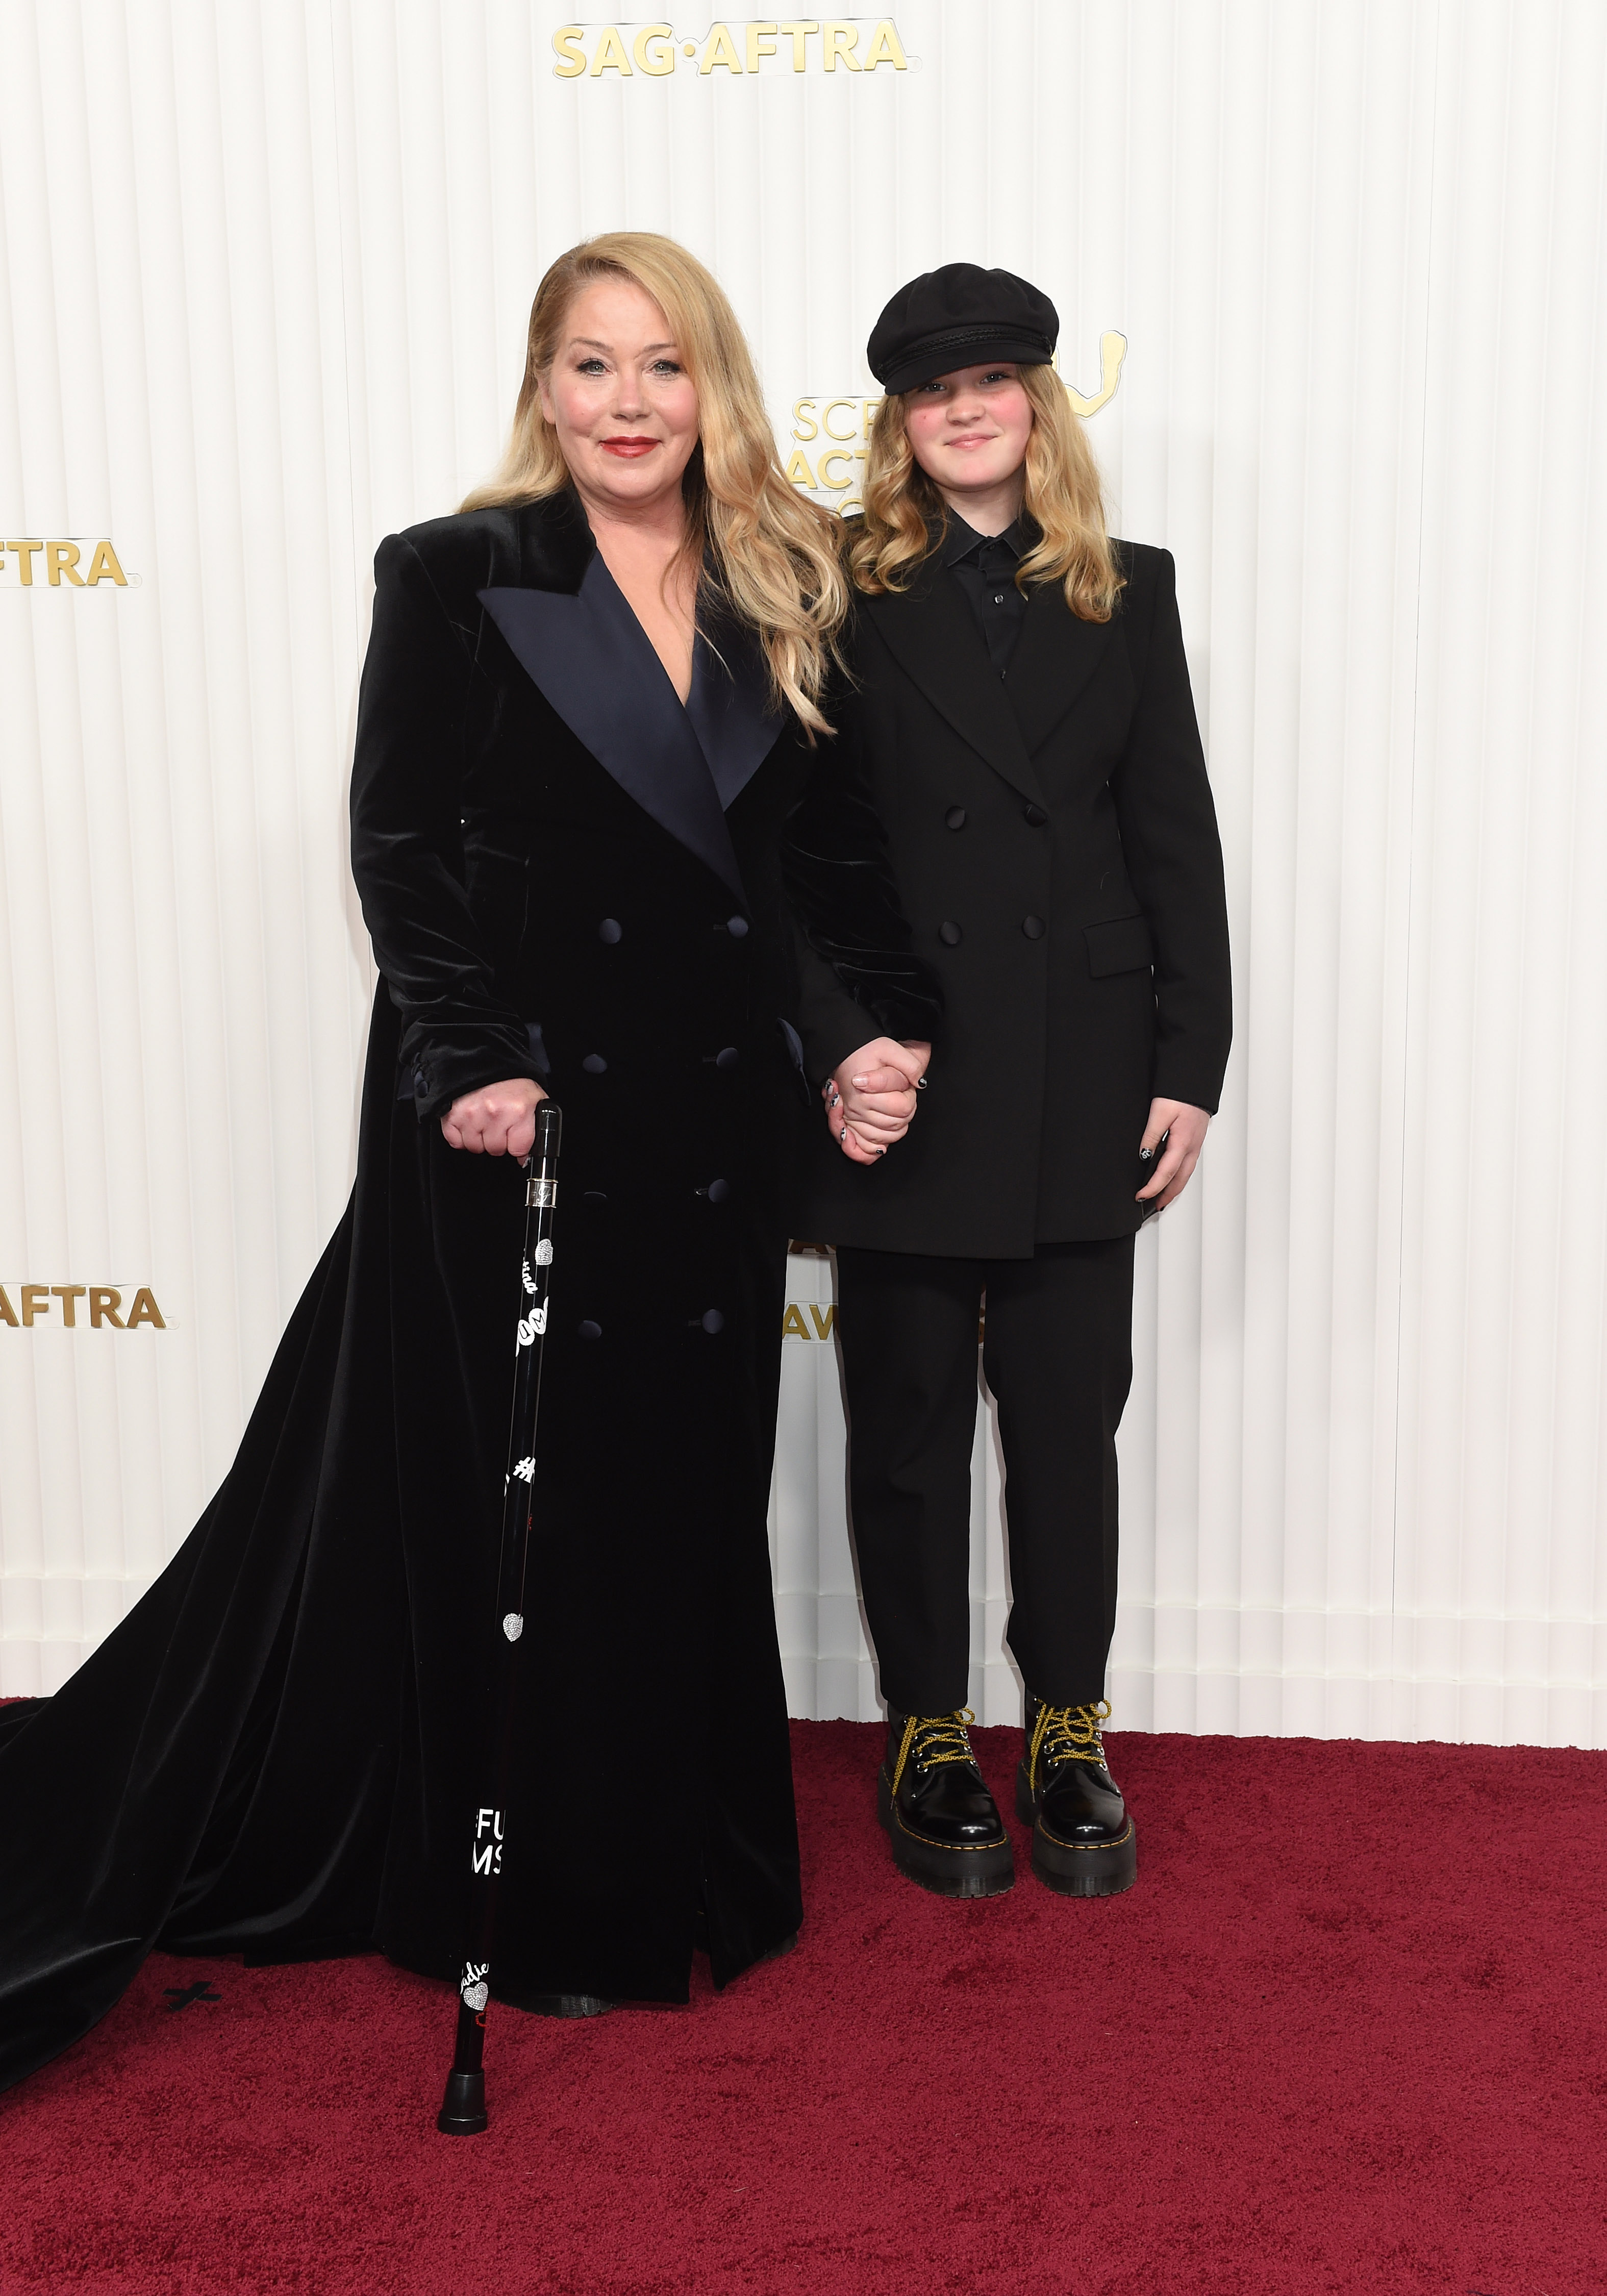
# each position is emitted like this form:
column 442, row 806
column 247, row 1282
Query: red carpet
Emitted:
column 1348, row 2032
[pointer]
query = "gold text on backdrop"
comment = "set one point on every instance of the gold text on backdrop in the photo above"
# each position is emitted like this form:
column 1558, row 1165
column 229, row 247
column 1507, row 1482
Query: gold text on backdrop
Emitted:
column 793, row 1326
column 36, row 565
column 104, row 1302
column 654, row 50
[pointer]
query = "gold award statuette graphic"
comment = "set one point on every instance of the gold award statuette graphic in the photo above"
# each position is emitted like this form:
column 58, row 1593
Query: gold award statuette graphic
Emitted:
column 56, row 1307
column 72, row 564
column 644, row 51
column 830, row 436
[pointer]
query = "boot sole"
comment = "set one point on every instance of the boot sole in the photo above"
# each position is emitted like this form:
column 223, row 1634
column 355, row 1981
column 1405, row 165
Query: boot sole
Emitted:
column 983, row 1873
column 1101, row 1869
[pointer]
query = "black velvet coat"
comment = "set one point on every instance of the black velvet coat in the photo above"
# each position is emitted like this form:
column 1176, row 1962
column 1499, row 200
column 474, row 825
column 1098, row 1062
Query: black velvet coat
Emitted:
column 1055, row 848
column 562, row 871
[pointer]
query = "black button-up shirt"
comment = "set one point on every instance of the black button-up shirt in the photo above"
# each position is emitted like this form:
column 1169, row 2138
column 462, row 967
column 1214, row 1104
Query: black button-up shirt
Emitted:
column 984, row 566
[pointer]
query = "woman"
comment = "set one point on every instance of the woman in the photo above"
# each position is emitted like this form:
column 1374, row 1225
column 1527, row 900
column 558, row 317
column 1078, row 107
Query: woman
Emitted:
column 1025, row 715
column 587, row 708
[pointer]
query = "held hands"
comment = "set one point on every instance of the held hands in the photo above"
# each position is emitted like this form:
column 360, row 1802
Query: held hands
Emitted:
column 871, row 1100
column 1183, row 1130
column 499, row 1119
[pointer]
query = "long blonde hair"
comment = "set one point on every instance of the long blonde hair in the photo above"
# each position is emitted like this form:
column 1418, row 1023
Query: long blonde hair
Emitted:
column 1062, row 494
column 767, row 553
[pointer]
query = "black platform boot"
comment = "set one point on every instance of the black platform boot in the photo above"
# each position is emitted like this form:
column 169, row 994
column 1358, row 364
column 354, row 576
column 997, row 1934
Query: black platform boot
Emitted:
column 1083, row 1842
column 946, row 1828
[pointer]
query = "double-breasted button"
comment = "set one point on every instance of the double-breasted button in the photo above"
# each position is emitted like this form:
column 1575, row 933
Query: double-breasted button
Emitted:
column 610, row 931
column 717, row 1191
column 594, row 1064
column 590, row 1330
column 1036, row 815
column 1034, row 928
column 737, row 927
column 728, row 1058
column 949, row 933
column 711, row 1321
column 956, row 816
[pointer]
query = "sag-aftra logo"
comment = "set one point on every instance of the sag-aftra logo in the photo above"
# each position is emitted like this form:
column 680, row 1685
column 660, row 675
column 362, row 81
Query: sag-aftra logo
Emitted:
column 31, row 562
column 849, row 44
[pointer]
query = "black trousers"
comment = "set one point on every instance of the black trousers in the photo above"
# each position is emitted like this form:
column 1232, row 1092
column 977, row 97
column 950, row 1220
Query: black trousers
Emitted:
column 1059, row 1359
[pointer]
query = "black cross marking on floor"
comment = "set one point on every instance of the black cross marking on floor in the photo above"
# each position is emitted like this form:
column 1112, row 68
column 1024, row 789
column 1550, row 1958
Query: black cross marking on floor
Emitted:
column 179, row 1996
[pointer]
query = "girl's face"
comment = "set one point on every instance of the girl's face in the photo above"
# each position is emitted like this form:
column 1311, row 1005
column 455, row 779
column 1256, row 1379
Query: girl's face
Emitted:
column 969, row 429
column 624, row 406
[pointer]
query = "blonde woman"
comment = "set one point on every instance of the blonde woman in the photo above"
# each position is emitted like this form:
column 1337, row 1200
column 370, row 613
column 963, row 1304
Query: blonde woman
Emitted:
column 591, row 699
column 1024, row 712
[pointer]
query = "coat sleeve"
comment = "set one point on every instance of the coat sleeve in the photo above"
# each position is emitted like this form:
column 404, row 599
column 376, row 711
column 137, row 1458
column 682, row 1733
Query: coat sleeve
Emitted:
column 1174, row 856
column 407, row 846
column 859, row 976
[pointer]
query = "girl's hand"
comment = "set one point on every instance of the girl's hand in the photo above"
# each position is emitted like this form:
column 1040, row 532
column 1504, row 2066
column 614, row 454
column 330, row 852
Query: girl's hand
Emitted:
column 1183, row 1128
column 871, row 1100
column 499, row 1119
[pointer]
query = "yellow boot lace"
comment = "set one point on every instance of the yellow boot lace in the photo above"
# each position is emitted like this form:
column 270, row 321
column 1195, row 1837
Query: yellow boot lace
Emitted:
column 935, row 1738
column 1067, row 1733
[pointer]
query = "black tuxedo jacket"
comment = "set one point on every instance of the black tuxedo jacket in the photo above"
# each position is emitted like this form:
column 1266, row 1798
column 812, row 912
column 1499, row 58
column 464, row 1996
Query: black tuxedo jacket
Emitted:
column 1055, row 845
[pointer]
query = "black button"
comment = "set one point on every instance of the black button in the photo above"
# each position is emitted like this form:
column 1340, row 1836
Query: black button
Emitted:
column 594, row 1196
column 713, row 1321
column 610, row 931
column 590, row 1330
column 1034, row 928
column 718, row 1191
column 1037, row 815
column 594, row 1064
column 728, row 1059
column 956, row 816
column 998, row 597
column 948, row 933
column 737, row 927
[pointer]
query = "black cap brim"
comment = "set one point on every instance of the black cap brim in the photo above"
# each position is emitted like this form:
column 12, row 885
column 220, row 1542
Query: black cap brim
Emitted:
column 963, row 347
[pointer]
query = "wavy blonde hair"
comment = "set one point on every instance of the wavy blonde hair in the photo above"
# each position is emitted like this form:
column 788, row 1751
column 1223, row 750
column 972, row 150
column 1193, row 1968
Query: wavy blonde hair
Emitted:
column 764, row 551
column 1062, row 493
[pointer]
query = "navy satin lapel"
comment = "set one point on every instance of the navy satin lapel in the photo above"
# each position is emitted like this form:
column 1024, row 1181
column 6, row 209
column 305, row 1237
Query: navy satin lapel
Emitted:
column 594, row 663
column 729, row 707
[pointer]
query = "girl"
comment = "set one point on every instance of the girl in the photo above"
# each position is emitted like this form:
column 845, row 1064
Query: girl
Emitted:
column 1024, row 714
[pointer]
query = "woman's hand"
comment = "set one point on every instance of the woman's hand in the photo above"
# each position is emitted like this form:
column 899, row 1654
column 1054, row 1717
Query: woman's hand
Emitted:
column 1183, row 1128
column 871, row 1100
column 499, row 1119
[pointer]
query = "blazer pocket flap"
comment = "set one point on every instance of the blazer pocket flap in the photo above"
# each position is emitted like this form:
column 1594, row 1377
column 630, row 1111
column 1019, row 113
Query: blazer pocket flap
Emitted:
column 1121, row 946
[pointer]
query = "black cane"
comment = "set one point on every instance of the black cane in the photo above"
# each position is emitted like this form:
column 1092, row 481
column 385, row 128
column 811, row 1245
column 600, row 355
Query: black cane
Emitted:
column 463, row 2112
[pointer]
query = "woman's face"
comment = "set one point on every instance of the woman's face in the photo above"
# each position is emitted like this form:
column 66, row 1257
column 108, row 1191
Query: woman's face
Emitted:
column 969, row 429
column 625, row 408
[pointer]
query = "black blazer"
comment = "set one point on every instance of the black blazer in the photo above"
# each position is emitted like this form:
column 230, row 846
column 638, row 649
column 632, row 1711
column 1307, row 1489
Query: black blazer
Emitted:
column 508, row 795
column 1055, row 848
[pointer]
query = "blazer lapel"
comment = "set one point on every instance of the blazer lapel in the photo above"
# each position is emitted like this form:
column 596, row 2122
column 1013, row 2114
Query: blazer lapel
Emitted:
column 1055, row 656
column 932, row 634
column 729, row 707
column 594, row 663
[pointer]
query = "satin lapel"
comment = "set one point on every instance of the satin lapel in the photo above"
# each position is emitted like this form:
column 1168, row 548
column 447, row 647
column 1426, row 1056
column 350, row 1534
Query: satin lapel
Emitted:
column 1055, row 656
column 932, row 634
column 729, row 707
column 594, row 663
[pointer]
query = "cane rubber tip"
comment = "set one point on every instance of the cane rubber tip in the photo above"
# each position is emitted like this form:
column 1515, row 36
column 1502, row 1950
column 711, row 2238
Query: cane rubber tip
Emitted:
column 463, row 2112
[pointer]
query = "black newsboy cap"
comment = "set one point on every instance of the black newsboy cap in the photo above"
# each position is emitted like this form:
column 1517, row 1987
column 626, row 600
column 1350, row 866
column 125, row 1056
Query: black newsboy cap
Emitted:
column 959, row 316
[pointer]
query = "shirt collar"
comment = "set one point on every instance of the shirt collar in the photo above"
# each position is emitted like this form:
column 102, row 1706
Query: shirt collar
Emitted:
column 963, row 540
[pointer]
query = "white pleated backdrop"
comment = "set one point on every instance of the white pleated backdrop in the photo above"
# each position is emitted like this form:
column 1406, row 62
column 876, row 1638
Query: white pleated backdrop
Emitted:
column 264, row 276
